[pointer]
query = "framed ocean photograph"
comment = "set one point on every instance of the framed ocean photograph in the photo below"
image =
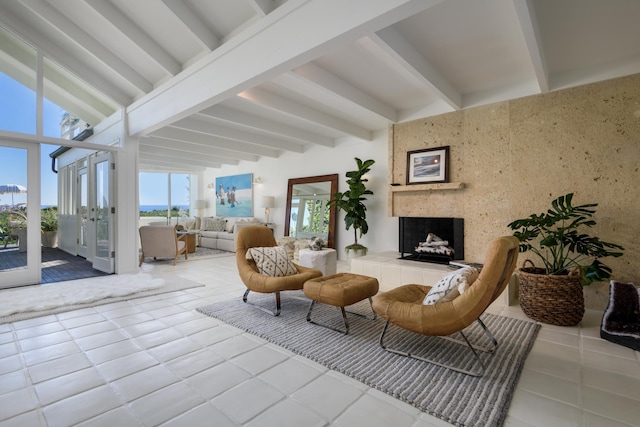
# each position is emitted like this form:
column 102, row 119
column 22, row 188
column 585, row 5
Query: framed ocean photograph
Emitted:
column 428, row 166
column 234, row 195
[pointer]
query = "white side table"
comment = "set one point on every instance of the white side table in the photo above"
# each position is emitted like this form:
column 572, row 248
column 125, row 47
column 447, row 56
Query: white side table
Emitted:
column 324, row 260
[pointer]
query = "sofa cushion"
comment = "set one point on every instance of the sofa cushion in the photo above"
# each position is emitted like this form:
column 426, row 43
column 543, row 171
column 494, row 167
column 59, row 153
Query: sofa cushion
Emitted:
column 212, row 234
column 232, row 221
column 272, row 261
column 223, row 235
column 451, row 285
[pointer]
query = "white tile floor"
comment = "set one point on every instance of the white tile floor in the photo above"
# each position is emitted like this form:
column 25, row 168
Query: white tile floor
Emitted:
column 156, row 361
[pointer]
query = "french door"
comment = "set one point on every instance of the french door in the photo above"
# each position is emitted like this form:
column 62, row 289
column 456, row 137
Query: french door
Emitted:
column 101, row 214
column 82, row 210
column 21, row 221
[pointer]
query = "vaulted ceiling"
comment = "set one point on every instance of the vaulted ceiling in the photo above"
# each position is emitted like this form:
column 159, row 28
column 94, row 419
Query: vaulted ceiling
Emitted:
column 213, row 82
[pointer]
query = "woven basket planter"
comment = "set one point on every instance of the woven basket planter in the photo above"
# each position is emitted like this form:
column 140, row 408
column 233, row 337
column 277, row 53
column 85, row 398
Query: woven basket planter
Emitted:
column 556, row 300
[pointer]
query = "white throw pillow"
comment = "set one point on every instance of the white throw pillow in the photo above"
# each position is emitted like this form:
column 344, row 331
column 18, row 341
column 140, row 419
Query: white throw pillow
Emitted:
column 272, row 261
column 213, row 224
column 451, row 285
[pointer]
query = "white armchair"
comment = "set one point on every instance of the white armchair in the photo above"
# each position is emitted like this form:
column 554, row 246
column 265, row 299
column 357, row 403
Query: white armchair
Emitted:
column 161, row 241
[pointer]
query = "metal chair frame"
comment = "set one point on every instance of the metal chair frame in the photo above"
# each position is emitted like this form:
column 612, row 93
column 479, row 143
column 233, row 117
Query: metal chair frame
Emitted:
column 344, row 317
column 475, row 373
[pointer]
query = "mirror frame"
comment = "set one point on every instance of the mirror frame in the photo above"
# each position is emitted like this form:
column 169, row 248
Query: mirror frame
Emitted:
column 333, row 179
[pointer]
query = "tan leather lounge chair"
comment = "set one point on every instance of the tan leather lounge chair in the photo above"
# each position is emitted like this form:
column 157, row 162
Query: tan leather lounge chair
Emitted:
column 403, row 306
column 261, row 236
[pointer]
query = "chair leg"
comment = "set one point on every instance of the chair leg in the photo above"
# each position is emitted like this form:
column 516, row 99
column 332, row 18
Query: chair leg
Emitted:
column 475, row 373
column 273, row 313
column 494, row 342
column 375, row 316
column 141, row 260
column 344, row 318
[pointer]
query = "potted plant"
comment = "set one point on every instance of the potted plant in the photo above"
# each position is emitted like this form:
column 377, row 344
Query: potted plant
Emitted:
column 351, row 202
column 49, row 227
column 571, row 260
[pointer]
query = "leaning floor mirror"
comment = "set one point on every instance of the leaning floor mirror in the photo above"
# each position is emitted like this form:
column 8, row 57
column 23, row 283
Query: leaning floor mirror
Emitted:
column 307, row 213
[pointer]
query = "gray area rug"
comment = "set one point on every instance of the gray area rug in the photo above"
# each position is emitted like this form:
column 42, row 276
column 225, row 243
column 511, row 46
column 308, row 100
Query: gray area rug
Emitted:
column 459, row 399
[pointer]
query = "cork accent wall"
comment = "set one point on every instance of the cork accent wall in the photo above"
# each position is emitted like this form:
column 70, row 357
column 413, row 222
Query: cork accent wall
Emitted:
column 514, row 157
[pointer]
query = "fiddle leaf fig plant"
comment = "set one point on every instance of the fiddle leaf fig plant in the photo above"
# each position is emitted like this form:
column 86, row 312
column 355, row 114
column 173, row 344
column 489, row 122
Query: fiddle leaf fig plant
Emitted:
column 556, row 238
column 351, row 202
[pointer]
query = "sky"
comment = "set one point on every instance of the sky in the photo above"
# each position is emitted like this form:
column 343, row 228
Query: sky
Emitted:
column 18, row 114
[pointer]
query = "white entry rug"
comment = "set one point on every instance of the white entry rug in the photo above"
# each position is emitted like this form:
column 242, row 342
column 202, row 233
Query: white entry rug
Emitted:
column 40, row 300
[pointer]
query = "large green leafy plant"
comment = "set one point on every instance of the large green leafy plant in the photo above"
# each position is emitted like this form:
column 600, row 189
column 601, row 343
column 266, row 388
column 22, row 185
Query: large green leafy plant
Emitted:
column 351, row 202
column 556, row 238
column 49, row 219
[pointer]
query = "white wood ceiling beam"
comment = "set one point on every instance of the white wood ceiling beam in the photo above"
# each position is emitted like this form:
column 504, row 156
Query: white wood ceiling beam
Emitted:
column 226, row 132
column 178, row 161
column 227, row 145
column 272, row 46
column 395, row 45
column 83, row 39
column 223, row 156
column 531, row 31
column 53, row 51
column 329, row 82
column 252, row 121
column 178, row 153
column 193, row 22
column 262, row 7
column 134, row 33
column 269, row 100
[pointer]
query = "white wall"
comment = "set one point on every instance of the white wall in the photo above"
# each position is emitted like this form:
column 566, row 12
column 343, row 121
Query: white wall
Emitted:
column 317, row 160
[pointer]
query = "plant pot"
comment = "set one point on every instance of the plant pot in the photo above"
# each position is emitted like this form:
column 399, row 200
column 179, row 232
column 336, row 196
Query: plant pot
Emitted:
column 49, row 239
column 355, row 252
column 556, row 300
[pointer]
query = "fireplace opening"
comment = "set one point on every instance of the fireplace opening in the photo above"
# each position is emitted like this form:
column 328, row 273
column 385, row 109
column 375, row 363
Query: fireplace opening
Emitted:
column 431, row 239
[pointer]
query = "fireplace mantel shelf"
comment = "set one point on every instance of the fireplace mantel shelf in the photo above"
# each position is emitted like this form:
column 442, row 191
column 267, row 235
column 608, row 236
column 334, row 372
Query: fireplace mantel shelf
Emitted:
column 427, row 187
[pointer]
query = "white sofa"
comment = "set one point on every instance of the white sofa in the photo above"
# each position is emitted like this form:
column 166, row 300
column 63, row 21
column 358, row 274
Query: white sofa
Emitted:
column 221, row 232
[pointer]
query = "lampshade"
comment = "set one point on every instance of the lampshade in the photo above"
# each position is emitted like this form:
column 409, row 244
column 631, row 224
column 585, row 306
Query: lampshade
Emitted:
column 268, row 201
column 200, row 204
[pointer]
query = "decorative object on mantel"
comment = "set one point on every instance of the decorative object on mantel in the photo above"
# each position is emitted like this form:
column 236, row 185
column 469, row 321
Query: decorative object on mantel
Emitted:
column 553, row 294
column 428, row 166
column 351, row 203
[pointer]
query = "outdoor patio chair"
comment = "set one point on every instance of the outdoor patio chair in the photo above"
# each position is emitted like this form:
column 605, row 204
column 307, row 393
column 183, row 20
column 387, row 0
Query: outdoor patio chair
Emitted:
column 403, row 306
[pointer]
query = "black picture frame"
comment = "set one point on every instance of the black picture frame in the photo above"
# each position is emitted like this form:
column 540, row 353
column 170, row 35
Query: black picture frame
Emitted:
column 428, row 166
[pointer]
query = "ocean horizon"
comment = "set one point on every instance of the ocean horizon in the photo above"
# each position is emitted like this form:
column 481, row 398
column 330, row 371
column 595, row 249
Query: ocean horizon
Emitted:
column 149, row 208
column 143, row 208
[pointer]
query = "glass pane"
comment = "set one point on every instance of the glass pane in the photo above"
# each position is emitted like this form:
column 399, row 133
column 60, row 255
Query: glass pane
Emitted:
column 180, row 190
column 17, row 85
column 83, row 209
column 154, row 197
column 13, row 209
column 102, row 206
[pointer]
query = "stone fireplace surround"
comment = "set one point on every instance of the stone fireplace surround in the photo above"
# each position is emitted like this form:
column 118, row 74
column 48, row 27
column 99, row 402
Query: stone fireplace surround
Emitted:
column 510, row 159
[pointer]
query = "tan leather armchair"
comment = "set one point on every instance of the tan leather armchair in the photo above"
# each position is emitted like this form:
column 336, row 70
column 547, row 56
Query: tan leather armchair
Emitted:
column 403, row 306
column 261, row 236
column 161, row 241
